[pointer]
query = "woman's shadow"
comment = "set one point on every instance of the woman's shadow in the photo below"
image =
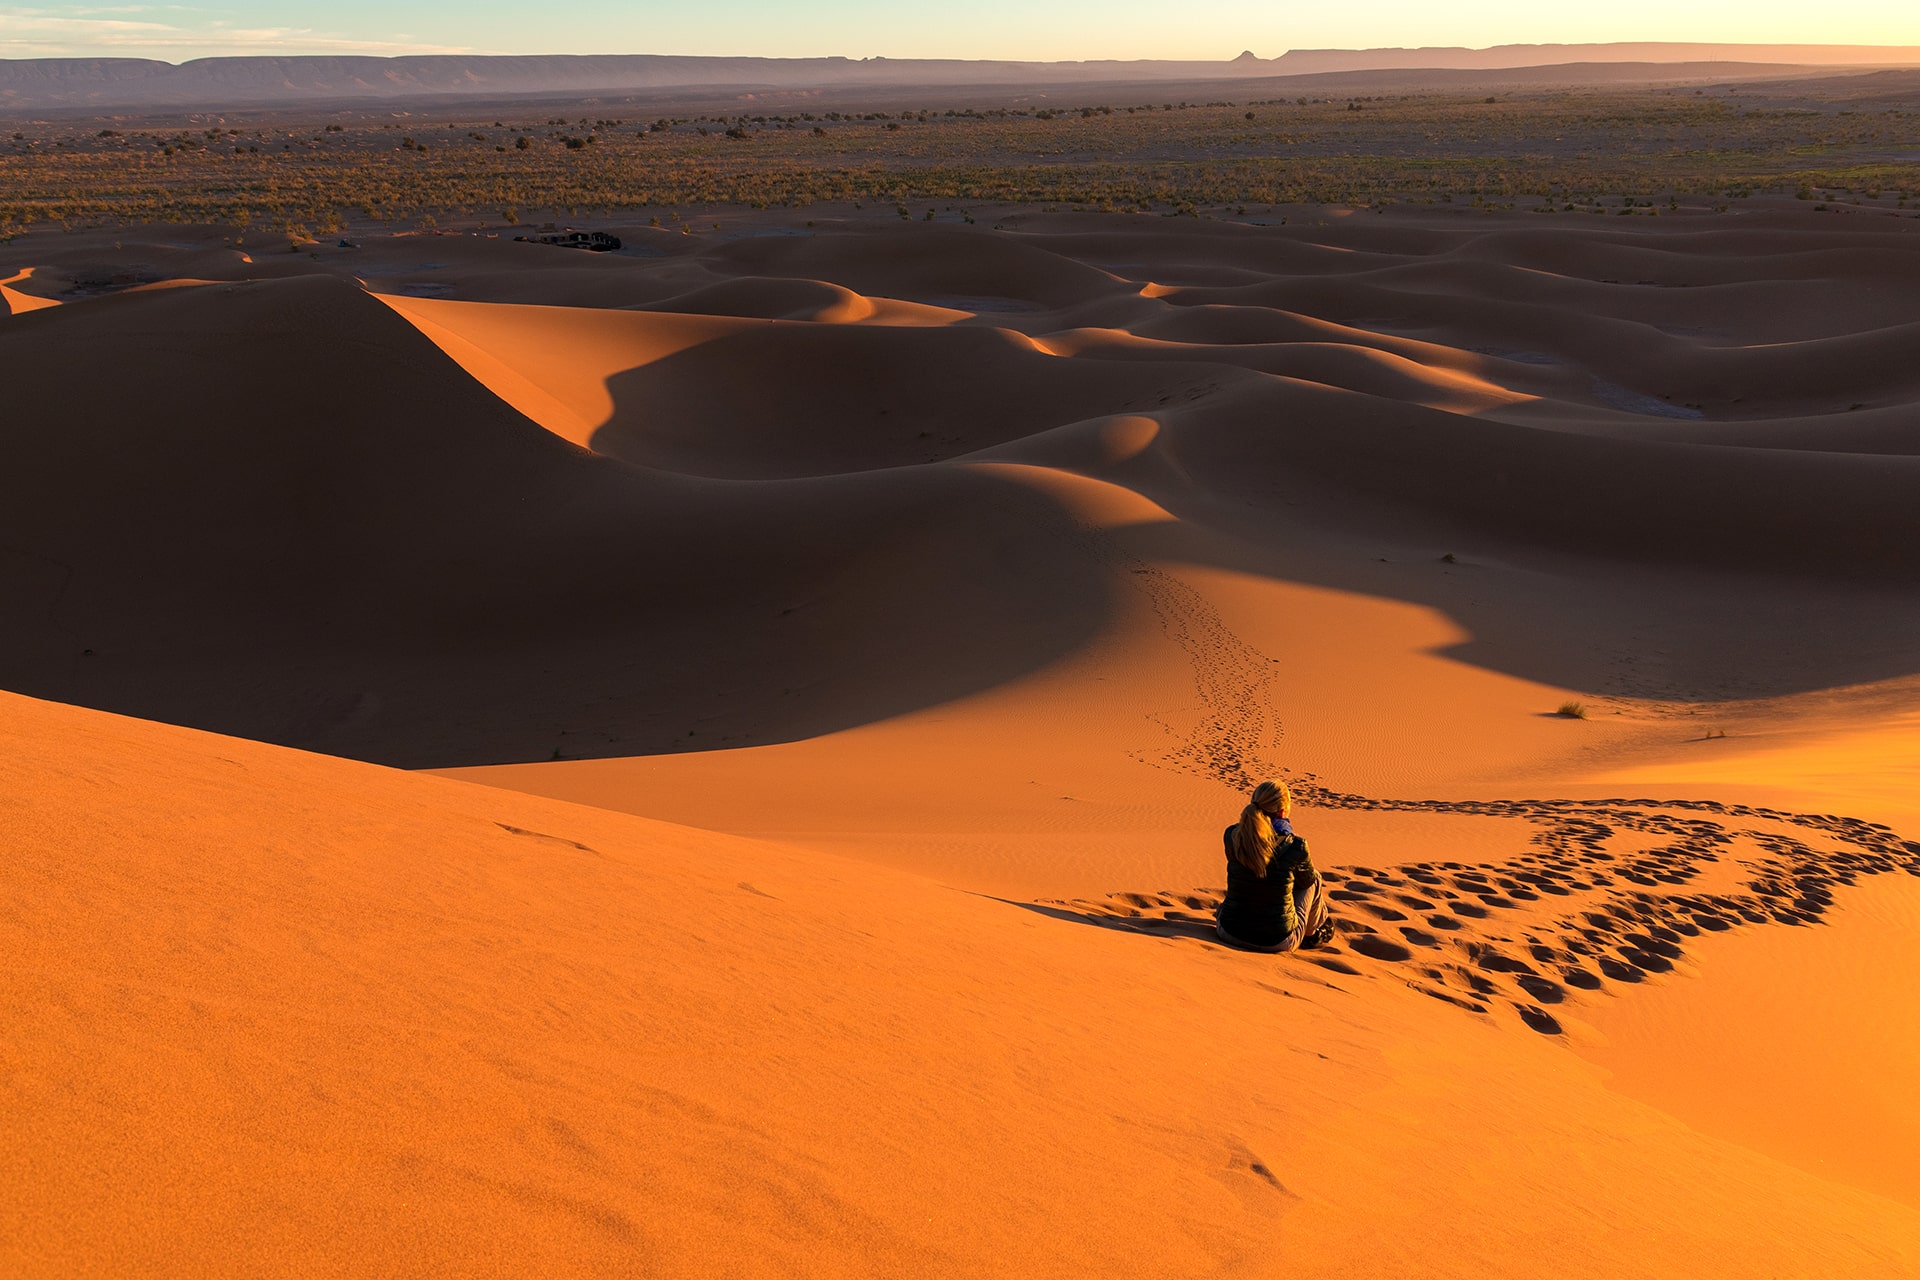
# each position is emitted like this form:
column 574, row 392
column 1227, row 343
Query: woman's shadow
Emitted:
column 1162, row 916
column 1197, row 928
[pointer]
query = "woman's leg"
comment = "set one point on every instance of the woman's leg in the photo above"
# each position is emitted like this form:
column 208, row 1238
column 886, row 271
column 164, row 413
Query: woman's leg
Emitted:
column 1310, row 900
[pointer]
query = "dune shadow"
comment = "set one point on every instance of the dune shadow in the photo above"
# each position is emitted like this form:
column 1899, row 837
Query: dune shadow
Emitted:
column 800, row 400
column 1610, row 628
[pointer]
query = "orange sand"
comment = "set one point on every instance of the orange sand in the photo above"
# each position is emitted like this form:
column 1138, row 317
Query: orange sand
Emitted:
column 1821, row 1079
column 842, row 652
column 276, row 1012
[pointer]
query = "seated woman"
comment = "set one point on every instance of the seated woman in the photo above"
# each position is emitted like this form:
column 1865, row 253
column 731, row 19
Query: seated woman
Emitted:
column 1274, row 900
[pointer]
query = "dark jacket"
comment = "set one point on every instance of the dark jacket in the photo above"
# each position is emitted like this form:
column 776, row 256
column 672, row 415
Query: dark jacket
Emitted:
column 1261, row 909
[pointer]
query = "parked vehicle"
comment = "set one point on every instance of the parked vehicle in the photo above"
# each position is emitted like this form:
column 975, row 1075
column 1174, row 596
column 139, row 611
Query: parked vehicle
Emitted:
column 592, row 241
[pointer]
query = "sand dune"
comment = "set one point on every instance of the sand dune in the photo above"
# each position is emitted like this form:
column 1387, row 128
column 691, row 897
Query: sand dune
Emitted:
column 862, row 633
column 1601, row 544
column 1554, row 347
column 570, row 576
column 1430, row 386
column 286, row 1001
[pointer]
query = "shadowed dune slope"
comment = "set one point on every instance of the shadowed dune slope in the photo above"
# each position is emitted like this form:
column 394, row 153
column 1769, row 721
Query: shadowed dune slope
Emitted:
column 276, row 510
column 812, row 399
column 1645, row 500
column 283, row 1001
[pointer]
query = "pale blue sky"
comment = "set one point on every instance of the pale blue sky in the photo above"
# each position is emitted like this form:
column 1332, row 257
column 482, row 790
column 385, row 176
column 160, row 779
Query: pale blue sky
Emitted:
column 920, row 28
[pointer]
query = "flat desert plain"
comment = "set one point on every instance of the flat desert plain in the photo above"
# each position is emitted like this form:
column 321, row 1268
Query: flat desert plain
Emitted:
column 709, row 759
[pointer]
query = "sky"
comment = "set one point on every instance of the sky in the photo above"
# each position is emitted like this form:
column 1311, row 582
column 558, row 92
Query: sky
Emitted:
column 1024, row 29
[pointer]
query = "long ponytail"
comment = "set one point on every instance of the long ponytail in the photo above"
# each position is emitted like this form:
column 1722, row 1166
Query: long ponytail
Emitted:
column 1255, row 838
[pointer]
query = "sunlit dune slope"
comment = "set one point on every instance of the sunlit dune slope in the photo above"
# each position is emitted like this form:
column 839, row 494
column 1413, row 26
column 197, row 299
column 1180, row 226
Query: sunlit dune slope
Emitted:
column 271, row 1012
column 18, row 303
column 553, row 364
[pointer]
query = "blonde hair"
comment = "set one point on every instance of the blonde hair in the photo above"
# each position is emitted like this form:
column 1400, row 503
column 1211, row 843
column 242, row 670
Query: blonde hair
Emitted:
column 1255, row 838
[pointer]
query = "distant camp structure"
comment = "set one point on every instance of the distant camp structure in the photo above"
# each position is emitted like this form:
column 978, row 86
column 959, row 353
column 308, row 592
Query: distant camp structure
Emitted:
column 592, row 241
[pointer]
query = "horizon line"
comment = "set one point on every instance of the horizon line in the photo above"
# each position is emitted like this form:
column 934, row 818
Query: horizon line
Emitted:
column 1247, row 54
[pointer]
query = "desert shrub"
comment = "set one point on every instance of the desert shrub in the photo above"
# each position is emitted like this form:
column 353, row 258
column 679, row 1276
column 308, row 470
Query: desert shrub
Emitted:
column 1197, row 158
